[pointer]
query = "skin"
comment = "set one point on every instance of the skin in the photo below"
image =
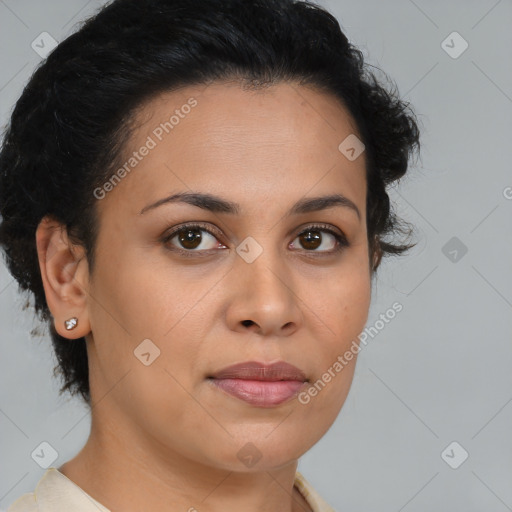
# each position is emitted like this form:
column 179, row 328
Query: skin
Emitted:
column 163, row 431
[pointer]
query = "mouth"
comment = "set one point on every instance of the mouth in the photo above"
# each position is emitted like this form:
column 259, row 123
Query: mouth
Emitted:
column 259, row 384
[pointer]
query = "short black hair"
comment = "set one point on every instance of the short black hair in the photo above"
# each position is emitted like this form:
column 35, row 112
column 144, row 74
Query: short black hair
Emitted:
column 68, row 127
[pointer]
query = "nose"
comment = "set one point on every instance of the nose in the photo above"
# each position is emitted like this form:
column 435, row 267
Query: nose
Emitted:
column 263, row 298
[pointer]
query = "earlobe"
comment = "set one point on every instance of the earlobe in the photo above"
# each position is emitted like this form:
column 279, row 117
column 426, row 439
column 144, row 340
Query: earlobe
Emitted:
column 71, row 323
column 64, row 273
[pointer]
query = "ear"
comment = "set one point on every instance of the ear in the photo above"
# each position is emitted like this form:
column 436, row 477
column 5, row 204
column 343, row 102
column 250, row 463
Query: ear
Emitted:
column 65, row 275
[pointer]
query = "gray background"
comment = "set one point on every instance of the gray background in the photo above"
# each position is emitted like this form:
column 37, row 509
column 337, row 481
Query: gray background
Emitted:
column 441, row 370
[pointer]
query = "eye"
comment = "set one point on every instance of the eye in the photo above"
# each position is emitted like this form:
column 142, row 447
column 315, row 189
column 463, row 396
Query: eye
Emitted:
column 313, row 239
column 193, row 238
column 201, row 239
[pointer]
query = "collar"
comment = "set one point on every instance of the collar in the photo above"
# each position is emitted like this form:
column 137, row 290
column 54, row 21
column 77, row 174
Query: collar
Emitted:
column 55, row 492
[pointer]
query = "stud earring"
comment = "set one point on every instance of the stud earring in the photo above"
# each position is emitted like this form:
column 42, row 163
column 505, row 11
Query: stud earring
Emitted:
column 71, row 323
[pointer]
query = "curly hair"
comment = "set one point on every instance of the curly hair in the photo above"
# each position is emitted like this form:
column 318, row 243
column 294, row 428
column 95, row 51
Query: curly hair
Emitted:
column 67, row 130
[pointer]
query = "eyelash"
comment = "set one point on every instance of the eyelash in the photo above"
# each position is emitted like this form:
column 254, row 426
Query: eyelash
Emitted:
column 341, row 240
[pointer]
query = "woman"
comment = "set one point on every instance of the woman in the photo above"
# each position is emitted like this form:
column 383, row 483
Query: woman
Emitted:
column 194, row 191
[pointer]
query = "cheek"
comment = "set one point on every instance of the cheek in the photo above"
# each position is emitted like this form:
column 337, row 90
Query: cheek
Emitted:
column 339, row 310
column 139, row 300
column 143, row 297
column 144, row 344
column 340, row 301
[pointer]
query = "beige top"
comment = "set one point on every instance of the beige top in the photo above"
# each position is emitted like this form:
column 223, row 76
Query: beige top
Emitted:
column 55, row 492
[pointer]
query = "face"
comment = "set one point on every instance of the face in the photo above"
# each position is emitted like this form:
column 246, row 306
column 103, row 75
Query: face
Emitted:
column 183, row 289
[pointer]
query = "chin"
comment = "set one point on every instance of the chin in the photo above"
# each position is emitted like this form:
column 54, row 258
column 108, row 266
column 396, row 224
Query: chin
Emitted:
column 261, row 452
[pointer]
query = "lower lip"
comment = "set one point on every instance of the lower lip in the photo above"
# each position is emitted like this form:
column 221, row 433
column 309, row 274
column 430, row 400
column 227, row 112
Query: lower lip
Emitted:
column 258, row 392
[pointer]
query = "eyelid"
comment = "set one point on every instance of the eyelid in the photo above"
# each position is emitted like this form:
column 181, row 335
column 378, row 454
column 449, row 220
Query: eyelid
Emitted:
column 210, row 228
column 320, row 226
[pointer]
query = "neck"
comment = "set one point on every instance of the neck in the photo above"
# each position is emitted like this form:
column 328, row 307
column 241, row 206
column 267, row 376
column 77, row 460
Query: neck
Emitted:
column 113, row 462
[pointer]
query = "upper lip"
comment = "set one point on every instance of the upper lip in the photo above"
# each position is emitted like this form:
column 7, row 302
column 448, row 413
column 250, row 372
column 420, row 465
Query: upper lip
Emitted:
column 252, row 370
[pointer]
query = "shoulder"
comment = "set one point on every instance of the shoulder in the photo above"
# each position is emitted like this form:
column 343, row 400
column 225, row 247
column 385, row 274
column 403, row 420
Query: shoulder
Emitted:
column 25, row 503
column 56, row 493
column 315, row 501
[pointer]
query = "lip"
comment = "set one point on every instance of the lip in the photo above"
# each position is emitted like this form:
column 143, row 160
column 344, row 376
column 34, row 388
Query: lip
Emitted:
column 259, row 384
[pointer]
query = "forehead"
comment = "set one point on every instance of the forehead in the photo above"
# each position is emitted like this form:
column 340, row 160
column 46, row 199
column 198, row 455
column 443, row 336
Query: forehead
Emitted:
column 226, row 139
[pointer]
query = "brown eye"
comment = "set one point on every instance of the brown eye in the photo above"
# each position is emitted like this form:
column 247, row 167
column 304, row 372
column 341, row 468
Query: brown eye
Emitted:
column 310, row 239
column 321, row 239
column 190, row 238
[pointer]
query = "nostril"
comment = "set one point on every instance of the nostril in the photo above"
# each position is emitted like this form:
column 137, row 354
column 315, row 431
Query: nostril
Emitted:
column 247, row 323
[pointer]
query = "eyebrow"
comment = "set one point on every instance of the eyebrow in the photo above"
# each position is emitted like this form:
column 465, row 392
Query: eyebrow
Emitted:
column 218, row 205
